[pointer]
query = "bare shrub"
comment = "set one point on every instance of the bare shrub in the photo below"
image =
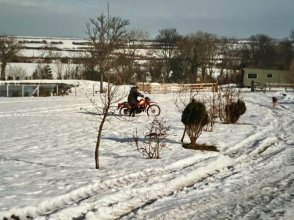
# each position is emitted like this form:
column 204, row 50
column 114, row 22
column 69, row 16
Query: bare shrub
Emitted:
column 183, row 98
column 226, row 96
column 210, row 100
column 154, row 139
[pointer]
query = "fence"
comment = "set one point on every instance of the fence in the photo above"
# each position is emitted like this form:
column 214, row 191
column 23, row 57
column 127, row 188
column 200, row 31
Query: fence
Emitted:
column 286, row 86
column 174, row 87
column 257, row 86
column 30, row 89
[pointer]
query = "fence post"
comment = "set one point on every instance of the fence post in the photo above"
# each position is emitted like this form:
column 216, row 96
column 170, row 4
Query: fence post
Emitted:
column 269, row 87
column 22, row 90
column 7, row 90
column 252, row 85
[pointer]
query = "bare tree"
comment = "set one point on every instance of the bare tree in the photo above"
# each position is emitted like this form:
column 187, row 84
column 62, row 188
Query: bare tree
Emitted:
column 9, row 49
column 106, row 34
column 154, row 67
column 110, row 97
column 129, row 69
column 167, row 39
column 42, row 72
column 188, row 59
column 59, row 69
column 205, row 44
column 292, row 36
column 71, row 70
column 229, row 58
column 136, row 41
column 196, row 50
column 16, row 72
column 50, row 53
column 259, row 52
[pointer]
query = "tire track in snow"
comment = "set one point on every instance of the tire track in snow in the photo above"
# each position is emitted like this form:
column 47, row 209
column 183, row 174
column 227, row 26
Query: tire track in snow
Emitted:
column 118, row 204
column 112, row 185
column 216, row 204
column 187, row 211
column 248, row 143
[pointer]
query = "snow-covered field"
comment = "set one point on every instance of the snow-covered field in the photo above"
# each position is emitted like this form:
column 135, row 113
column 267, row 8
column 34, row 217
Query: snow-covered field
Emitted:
column 47, row 163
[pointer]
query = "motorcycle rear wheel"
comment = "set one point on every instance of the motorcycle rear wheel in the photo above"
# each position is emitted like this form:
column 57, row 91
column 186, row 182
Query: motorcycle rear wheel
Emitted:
column 153, row 110
column 124, row 111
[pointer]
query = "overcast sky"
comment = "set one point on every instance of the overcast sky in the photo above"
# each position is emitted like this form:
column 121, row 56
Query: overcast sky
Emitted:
column 231, row 18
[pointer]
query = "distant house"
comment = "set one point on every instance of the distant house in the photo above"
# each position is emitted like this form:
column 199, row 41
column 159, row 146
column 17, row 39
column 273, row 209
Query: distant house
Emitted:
column 266, row 76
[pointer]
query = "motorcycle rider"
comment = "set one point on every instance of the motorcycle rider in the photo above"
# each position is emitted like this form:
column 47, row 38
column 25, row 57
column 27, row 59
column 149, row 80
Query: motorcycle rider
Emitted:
column 132, row 99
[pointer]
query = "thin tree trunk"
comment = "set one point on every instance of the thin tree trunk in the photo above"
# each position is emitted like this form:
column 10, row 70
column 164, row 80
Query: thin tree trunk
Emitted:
column 183, row 135
column 99, row 138
column 203, row 72
column 101, row 82
column 3, row 67
column 98, row 143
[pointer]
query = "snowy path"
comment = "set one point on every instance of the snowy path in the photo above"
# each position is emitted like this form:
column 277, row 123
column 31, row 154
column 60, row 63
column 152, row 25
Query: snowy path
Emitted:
column 248, row 179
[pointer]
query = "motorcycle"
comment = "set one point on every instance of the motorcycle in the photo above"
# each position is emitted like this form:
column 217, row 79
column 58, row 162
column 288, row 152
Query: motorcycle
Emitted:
column 143, row 105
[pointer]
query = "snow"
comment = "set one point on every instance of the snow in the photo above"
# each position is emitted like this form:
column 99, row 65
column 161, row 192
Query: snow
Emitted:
column 47, row 164
column 62, row 47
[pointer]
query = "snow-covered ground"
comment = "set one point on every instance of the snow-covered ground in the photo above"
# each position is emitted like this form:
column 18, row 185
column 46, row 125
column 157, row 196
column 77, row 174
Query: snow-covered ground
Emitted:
column 47, row 163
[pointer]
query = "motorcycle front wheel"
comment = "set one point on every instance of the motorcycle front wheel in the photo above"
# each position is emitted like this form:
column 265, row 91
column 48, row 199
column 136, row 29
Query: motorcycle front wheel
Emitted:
column 153, row 110
column 124, row 111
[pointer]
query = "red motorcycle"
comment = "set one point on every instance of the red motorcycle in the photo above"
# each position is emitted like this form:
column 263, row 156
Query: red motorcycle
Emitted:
column 143, row 105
